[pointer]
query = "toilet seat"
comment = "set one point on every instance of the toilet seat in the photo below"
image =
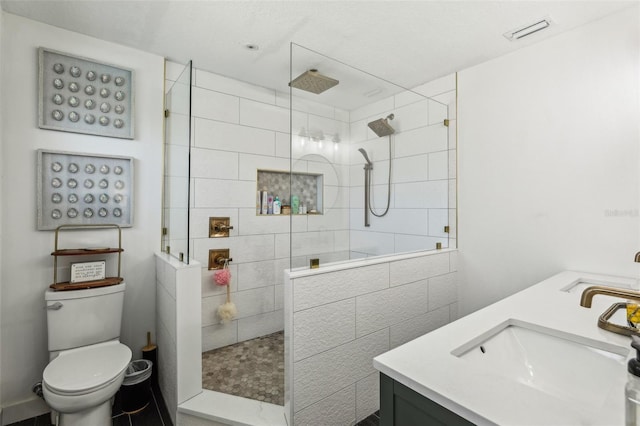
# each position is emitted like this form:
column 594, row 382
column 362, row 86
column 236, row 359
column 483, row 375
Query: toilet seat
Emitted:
column 85, row 370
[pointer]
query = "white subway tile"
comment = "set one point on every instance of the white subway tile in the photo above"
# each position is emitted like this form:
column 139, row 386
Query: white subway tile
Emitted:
column 422, row 140
column 251, row 223
column 336, row 197
column 324, row 327
column 249, row 165
column 453, row 256
column 410, row 116
column 422, row 195
column 321, row 375
column 367, row 396
column 438, row 219
column 178, row 198
column 405, row 221
column 218, row 193
column 358, row 130
column 173, row 70
column 332, row 219
column 260, row 325
column 375, row 311
column 232, row 137
column 214, row 105
column 177, row 130
column 443, row 290
column 283, row 145
column 372, row 243
column 335, row 410
column 264, row 116
column 412, row 169
column 212, row 164
column 248, row 248
column 383, row 106
column 439, row 165
column 279, row 299
column 211, row 81
column 261, row 274
column 437, row 113
column 315, row 290
column 341, row 242
column 418, row 268
column 415, row 327
column 255, row 301
column 311, row 242
column 283, row 245
column 210, row 306
column 452, row 204
column 219, row 335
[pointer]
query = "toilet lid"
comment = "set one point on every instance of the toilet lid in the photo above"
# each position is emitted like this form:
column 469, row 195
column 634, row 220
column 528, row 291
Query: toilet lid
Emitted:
column 86, row 368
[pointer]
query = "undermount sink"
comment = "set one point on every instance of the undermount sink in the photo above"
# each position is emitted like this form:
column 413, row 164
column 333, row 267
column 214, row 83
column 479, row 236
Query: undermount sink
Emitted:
column 580, row 286
column 559, row 364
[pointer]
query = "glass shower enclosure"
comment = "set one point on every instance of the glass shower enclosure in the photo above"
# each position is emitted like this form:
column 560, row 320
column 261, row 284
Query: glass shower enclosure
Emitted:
column 177, row 158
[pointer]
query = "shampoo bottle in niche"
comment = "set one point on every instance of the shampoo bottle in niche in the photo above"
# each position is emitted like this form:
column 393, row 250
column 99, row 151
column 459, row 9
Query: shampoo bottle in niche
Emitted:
column 276, row 205
column 295, row 204
column 632, row 389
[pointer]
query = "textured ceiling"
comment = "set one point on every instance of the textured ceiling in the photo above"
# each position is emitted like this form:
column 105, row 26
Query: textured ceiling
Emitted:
column 405, row 42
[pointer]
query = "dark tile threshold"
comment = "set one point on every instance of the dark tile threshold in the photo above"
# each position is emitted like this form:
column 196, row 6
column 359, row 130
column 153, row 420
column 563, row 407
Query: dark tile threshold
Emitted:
column 154, row 414
column 372, row 420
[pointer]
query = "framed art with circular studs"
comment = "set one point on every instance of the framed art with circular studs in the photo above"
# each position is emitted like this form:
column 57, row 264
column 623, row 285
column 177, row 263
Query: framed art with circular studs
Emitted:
column 84, row 189
column 84, row 96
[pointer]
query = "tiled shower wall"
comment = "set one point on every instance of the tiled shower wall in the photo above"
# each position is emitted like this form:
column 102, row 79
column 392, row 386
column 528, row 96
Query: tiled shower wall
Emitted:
column 423, row 172
column 239, row 128
column 340, row 318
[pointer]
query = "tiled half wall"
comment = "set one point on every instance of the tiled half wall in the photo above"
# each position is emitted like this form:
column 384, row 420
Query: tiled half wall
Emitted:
column 338, row 319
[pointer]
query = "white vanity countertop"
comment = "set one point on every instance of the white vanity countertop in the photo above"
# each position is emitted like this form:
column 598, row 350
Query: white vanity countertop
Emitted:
column 428, row 366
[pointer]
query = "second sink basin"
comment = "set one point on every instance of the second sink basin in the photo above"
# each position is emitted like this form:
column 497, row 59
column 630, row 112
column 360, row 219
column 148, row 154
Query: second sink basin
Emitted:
column 562, row 365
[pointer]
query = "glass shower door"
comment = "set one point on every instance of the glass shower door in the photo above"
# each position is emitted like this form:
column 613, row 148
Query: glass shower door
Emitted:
column 175, row 231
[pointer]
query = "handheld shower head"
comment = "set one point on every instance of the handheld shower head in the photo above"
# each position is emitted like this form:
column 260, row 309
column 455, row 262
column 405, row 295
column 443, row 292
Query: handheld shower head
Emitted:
column 366, row 157
column 381, row 126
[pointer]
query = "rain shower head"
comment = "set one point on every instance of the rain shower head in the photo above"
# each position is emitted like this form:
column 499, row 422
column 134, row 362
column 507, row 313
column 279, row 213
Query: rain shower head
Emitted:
column 366, row 157
column 314, row 82
column 381, row 126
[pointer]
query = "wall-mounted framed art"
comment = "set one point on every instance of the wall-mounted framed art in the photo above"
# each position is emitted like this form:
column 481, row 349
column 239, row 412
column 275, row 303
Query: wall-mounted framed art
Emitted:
column 82, row 95
column 81, row 189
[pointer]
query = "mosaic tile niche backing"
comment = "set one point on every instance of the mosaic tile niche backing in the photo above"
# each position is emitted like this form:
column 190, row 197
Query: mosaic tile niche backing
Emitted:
column 307, row 187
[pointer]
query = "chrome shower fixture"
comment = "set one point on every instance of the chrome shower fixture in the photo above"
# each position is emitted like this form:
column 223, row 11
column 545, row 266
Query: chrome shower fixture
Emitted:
column 381, row 126
column 366, row 157
column 314, row 82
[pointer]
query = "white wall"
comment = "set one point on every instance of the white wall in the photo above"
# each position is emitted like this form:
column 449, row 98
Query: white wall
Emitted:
column 26, row 263
column 548, row 149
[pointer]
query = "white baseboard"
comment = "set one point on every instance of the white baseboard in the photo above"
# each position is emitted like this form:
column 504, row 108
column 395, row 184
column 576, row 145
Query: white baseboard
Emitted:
column 23, row 410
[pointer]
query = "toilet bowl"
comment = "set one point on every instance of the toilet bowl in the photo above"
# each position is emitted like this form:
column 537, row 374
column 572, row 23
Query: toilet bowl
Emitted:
column 87, row 361
column 79, row 383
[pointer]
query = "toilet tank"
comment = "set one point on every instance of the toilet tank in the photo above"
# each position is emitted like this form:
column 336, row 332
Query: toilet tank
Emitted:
column 84, row 317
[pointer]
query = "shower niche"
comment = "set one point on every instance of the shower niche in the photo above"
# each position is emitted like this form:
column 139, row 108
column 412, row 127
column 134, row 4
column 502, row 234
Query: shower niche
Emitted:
column 307, row 187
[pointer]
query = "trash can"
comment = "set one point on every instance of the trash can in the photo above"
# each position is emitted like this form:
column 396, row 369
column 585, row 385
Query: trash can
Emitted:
column 136, row 386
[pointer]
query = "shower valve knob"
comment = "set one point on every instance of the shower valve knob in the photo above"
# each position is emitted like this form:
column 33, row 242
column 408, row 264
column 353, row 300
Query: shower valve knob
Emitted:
column 220, row 227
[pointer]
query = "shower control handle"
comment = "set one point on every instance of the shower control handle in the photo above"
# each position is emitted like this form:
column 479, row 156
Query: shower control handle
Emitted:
column 55, row 307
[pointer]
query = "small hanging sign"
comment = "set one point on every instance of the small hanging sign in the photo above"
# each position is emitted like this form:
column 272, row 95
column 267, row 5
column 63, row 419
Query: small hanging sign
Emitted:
column 87, row 271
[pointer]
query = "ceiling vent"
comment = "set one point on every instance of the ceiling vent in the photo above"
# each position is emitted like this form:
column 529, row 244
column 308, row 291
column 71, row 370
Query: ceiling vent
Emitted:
column 527, row 30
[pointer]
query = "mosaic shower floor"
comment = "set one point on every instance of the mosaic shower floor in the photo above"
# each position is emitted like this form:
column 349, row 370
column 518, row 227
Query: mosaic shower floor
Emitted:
column 253, row 369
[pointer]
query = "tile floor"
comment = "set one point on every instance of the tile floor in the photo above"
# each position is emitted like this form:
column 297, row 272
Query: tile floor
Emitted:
column 155, row 414
column 253, row 369
column 372, row 420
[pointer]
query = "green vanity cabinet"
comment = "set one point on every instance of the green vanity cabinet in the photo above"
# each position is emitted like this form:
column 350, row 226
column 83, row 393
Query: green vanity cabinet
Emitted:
column 401, row 406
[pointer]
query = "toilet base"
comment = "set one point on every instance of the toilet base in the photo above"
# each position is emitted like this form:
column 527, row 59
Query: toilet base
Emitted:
column 95, row 416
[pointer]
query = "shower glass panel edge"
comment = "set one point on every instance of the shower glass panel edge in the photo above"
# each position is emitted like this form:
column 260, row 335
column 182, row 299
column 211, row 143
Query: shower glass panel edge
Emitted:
column 177, row 159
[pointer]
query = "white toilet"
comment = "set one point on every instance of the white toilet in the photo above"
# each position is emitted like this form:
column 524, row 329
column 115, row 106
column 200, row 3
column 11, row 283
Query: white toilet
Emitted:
column 87, row 362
